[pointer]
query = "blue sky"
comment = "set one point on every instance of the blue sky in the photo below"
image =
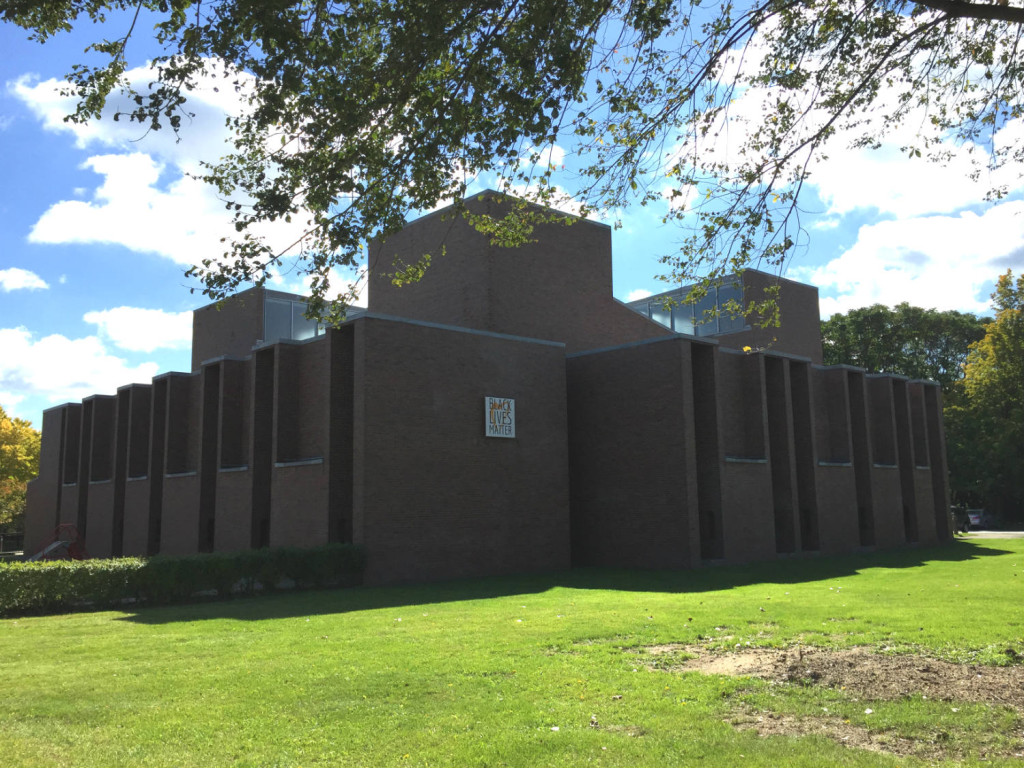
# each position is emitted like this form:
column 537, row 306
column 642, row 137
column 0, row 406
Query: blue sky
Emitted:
column 99, row 223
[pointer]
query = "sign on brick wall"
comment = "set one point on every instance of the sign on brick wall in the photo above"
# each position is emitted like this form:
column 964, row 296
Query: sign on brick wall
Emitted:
column 499, row 417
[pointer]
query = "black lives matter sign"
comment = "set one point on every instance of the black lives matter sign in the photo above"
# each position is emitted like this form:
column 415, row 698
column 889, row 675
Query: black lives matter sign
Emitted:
column 499, row 417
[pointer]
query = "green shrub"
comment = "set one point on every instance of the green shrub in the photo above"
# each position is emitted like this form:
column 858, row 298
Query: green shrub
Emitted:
column 68, row 585
column 220, row 571
column 271, row 567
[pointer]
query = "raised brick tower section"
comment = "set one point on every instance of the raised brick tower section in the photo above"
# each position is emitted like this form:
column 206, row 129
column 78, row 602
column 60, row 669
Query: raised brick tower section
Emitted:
column 557, row 288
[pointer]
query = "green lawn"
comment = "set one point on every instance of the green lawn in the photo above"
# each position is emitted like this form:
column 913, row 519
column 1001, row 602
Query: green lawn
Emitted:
column 514, row 671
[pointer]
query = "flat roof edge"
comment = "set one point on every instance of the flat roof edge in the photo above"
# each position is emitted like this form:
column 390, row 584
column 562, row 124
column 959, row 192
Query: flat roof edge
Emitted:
column 644, row 342
column 456, row 328
column 495, row 193
column 732, row 276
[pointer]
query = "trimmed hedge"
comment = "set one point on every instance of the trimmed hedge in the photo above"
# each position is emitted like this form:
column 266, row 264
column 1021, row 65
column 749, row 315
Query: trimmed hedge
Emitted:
column 57, row 586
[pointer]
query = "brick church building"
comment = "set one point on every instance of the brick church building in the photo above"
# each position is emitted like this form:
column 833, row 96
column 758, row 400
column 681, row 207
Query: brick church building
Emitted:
column 504, row 414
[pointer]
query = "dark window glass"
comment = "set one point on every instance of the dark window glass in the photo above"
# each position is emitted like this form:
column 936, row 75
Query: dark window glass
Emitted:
column 728, row 294
column 704, row 315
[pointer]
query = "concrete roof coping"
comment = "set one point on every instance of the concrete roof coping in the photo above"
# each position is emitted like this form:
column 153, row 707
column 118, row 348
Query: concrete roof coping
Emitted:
column 642, row 342
column 62, row 405
column 771, row 353
column 455, row 328
column 170, row 374
column 495, row 193
column 901, row 377
column 225, row 358
column 786, row 355
column 285, row 342
column 840, row 366
column 310, row 462
column 253, row 289
column 274, row 294
column 732, row 276
column 887, row 376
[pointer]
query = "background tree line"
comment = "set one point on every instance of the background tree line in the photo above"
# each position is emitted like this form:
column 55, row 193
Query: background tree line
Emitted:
column 979, row 361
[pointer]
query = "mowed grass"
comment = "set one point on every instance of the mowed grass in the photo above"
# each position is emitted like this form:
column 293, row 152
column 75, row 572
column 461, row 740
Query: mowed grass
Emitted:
column 509, row 671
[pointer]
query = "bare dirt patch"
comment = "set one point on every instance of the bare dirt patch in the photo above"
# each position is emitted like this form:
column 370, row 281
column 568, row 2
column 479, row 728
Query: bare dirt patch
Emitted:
column 772, row 724
column 862, row 676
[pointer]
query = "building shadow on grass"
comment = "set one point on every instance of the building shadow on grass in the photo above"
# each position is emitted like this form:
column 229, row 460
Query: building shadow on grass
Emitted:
column 293, row 603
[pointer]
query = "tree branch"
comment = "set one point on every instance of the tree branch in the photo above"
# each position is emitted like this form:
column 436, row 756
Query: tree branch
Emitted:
column 962, row 9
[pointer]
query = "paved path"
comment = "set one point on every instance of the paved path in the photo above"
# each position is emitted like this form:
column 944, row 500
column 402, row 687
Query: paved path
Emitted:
column 996, row 535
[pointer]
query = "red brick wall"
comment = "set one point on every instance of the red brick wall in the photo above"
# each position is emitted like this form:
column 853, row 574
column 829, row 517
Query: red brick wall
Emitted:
column 229, row 327
column 433, row 498
column 632, row 457
column 799, row 329
column 558, row 288
column 672, row 450
column 43, row 494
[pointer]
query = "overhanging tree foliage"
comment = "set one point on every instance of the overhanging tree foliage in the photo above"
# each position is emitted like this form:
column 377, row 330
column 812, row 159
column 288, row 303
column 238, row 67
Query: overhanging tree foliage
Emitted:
column 905, row 340
column 363, row 111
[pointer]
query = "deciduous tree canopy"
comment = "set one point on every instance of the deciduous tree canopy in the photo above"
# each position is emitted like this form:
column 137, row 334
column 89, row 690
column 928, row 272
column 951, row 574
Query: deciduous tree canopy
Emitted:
column 910, row 341
column 362, row 111
column 19, row 463
column 985, row 426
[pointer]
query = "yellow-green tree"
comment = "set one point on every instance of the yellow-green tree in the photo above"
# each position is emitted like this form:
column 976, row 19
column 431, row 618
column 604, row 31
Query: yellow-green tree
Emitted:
column 19, row 463
column 985, row 423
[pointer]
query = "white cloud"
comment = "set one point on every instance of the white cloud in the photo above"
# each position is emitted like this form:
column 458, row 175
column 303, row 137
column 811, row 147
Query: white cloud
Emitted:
column 9, row 401
column 678, row 199
column 637, row 294
column 560, row 200
column 16, row 279
column 549, row 155
column 183, row 222
column 825, row 223
column 143, row 330
column 938, row 254
column 944, row 262
column 147, row 201
column 58, row 369
column 341, row 285
column 849, row 179
column 887, row 179
column 203, row 136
